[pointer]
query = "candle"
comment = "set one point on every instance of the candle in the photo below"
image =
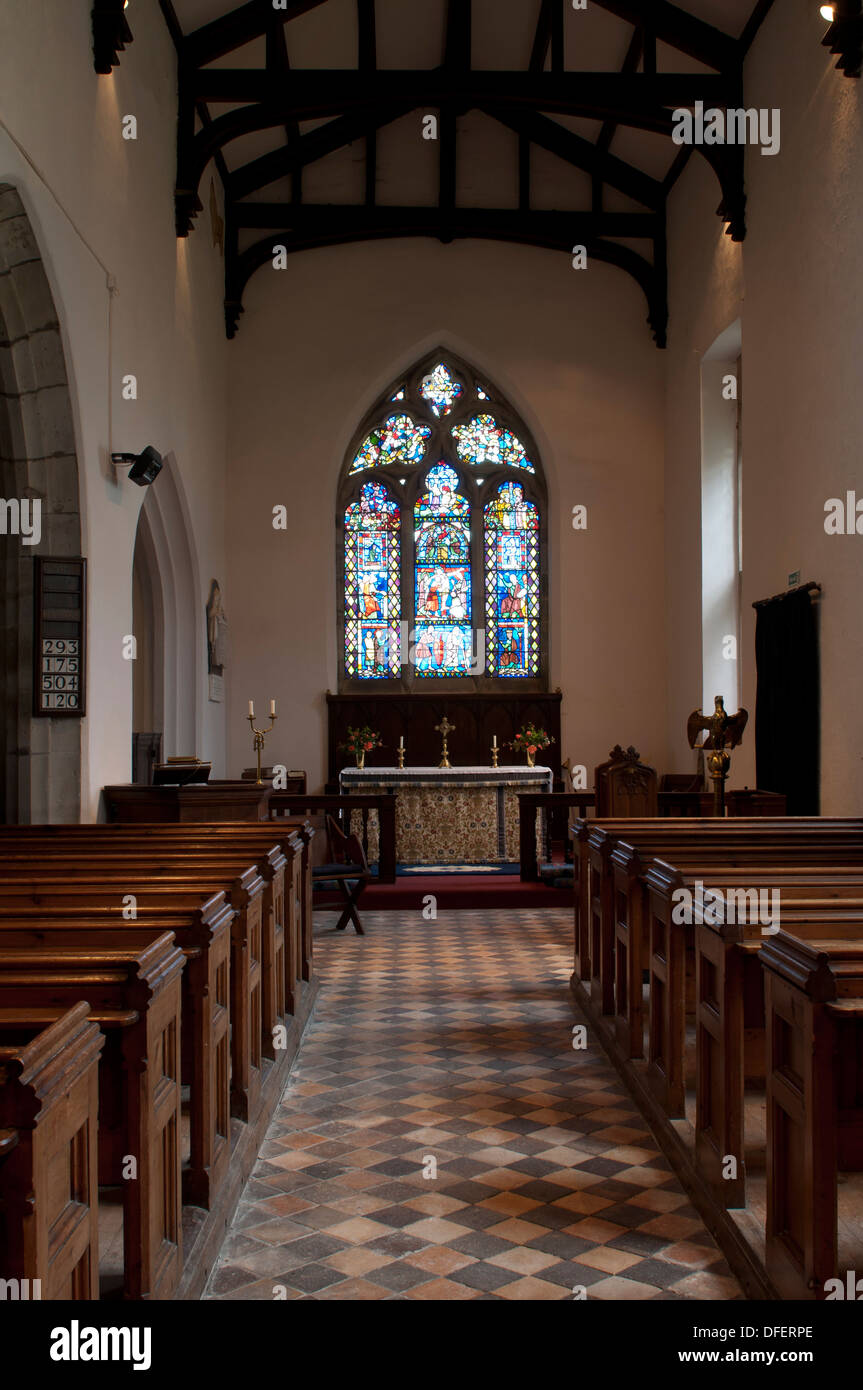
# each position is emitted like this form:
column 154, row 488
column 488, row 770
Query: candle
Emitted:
column 494, row 741
column 272, row 709
column 251, row 710
column 402, row 741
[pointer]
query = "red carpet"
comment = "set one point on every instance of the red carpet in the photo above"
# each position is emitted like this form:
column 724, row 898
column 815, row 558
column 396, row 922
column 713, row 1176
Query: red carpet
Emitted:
column 463, row 891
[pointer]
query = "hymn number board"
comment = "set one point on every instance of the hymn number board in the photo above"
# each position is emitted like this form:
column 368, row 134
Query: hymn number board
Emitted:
column 61, row 602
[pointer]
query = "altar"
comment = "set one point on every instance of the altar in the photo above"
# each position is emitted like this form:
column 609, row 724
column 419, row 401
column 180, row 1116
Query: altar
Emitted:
column 452, row 815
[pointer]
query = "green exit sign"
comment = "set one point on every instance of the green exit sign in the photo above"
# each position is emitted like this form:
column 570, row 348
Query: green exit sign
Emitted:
column 793, row 579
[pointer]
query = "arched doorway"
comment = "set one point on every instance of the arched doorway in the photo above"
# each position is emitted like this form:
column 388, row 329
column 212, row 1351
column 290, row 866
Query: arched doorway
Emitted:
column 167, row 619
column 40, row 758
column 148, row 627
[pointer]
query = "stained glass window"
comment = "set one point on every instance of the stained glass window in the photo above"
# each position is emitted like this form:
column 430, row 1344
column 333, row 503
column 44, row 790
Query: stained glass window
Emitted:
column 429, row 533
column 442, row 577
column 372, row 584
column 441, row 389
column 397, row 440
column 483, row 440
column 512, row 600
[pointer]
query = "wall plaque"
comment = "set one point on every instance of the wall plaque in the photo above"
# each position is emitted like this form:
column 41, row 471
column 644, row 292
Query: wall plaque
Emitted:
column 59, row 682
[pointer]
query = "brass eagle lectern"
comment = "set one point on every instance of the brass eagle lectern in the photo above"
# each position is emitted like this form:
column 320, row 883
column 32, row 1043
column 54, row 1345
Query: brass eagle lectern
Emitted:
column 723, row 731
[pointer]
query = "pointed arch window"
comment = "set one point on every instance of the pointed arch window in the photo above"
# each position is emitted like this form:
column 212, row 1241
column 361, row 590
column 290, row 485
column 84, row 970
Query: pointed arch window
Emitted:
column 444, row 558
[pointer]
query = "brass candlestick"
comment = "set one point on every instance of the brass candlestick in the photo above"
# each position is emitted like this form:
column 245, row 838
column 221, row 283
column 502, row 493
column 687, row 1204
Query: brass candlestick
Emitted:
column 494, row 753
column 401, row 753
column 444, row 728
column 260, row 734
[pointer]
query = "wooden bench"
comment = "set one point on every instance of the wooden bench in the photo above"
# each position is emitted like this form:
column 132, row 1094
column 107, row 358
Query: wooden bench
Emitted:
column 618, row 904
column 595, row 894
column 76, row 876
column 203, row 934
column 285, row 891
column 671, row 947
column 730, row 1030
column 133, row 991
column 157, row 882
column 287, row 888
column 814, row 1001
column 48, row 1143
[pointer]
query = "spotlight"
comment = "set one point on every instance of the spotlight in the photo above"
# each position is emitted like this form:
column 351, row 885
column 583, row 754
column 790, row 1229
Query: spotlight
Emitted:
column 828, row 12
column 145, row 468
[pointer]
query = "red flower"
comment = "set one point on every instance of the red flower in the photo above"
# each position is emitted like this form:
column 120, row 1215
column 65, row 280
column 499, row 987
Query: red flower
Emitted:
column 368, row 745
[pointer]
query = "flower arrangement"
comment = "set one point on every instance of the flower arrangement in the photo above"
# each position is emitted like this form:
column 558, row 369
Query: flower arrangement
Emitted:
column 361, row 741
column 530, row 739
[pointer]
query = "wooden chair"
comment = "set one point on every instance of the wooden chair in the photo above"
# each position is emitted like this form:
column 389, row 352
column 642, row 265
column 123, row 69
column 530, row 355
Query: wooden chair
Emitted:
column 625, row 786
column 347, row 869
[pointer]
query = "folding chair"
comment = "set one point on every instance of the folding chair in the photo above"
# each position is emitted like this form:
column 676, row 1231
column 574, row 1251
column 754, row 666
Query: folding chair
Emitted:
column 348, row 870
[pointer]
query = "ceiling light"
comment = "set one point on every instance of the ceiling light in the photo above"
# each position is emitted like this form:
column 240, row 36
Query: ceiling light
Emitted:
column 827, row 12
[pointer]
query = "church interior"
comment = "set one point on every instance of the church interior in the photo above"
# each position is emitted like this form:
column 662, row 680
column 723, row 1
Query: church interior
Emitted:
column 428, row 456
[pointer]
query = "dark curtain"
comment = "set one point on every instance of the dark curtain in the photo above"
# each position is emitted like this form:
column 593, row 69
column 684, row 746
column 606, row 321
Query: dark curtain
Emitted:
column 787, row 722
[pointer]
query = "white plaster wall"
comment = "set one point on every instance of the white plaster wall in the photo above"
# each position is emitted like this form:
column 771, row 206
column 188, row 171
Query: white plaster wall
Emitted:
column 802, row 341
column 101, row 204
column 319, row 341
column 802, row 404
column 705, row 297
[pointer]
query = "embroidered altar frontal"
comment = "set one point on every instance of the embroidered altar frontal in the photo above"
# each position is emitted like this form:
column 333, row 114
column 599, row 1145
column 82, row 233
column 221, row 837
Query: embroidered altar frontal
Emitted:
column 457, row 815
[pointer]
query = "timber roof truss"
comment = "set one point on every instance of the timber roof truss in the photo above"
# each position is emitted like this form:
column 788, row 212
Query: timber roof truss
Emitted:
column 219, row 104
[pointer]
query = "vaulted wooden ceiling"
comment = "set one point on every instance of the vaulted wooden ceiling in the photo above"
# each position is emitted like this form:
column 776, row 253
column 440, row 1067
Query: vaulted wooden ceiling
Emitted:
column 553, row 123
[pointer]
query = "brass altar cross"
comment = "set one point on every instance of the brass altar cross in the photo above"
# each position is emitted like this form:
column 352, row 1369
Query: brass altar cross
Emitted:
column 444, row 728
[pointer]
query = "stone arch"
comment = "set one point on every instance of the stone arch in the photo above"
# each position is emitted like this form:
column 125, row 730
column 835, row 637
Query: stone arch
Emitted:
column 40, row 757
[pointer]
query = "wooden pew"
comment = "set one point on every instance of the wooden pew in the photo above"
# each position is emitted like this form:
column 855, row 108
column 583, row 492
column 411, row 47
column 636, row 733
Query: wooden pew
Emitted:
column 829, row 890
column 133, row 990
column 48, row 1144
column 203, row 934
column 730, row 1027
column 154, row 883
column 814, row 1000
column 618, row 903
column 598, row 938
column 287, row 887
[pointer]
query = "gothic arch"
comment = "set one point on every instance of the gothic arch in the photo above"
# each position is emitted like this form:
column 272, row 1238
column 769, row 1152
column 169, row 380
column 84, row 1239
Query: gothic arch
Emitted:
column 40, row 757
column 481, row 463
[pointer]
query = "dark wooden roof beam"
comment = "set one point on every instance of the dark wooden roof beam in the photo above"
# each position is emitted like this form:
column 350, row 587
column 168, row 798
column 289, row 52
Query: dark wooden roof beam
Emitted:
column 680, row 30
column 312, row 93
column 542, row 37
column 553, row 230
column 581, row 153
column 458, row 31
column 268, row 168
column 554, row 227
column 237, row 28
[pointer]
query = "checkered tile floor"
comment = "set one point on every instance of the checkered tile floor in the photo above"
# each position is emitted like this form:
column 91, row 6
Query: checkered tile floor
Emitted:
column 446, row 1047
